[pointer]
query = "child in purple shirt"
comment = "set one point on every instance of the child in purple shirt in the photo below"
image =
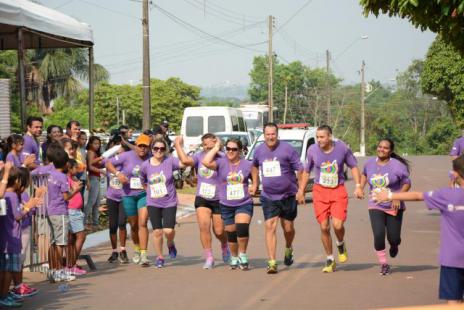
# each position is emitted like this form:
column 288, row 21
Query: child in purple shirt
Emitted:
column 450, row 203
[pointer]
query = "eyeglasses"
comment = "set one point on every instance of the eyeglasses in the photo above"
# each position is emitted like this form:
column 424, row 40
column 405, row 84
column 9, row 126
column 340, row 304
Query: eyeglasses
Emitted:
column 159, row 149
column 231, row 149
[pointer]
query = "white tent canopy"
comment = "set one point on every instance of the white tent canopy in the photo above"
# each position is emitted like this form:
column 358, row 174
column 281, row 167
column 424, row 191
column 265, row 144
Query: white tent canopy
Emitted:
column 44, row 27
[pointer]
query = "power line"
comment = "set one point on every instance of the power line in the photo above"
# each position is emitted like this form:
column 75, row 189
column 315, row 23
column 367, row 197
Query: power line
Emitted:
column 228, row 11
column 293, row 16
column 111, row 10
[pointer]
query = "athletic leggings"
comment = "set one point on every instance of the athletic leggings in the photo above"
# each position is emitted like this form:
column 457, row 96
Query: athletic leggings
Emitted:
column 117, row 217
column 381, row 222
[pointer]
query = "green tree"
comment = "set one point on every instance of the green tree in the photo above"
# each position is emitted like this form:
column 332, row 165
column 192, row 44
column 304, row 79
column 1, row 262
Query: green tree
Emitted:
column 445, row 17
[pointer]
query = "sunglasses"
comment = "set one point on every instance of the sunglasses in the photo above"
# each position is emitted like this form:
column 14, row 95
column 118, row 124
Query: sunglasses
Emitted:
column 159, row 149
column 231, row 149
column 143, row 146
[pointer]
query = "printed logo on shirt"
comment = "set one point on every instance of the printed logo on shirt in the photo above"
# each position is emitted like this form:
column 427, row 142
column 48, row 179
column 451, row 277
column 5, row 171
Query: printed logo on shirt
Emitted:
column 379, row 181
column 156, row 178
column 235, row 177
column 136, row 171
column 205, row 172
column 329, row 167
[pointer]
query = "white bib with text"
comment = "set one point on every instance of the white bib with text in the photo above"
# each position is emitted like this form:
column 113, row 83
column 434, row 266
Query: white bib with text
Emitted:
column 271, row 168
column 235, row 191
column 158, row 190
column 207, row 190
column 135, row 183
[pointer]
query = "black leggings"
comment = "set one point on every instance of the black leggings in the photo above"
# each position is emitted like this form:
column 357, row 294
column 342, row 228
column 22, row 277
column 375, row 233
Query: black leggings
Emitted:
column 381, row 221
column 162, row 217
column 117, row 217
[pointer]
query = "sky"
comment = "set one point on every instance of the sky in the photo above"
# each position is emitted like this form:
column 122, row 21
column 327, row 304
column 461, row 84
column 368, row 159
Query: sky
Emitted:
column 213, row 42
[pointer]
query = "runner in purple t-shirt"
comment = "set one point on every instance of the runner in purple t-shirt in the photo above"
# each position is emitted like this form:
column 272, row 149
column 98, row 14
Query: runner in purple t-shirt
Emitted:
column 206, row 200
column 277, row 161
column 31, row 144
column 330, row 199
column 450, row 203
column 235, row 200
column 387, row 171
column 157, row 176
column 458, row 148
column 126, row 167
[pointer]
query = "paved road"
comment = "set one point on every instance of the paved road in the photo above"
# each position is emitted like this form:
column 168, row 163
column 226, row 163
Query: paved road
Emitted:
column 356, row 285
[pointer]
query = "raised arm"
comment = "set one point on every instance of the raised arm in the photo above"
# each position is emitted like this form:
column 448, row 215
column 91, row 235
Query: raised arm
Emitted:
column 208, row 161
column 183, row 158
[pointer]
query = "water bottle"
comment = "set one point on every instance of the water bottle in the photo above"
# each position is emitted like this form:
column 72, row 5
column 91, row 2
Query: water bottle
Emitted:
column 63, row 288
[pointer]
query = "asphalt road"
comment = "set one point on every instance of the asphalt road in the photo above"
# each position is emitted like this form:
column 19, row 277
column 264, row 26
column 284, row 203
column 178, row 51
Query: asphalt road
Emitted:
column 355, row 285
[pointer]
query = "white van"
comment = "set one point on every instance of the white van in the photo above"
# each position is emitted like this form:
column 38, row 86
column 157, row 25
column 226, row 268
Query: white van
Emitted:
column 200, row 120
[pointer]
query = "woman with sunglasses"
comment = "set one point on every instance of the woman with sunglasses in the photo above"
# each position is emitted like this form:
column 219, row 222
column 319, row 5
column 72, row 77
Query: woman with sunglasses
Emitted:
column 126, row 167
column 206, row 199
column 235, row 201
column 157, row 175
column 387, row 172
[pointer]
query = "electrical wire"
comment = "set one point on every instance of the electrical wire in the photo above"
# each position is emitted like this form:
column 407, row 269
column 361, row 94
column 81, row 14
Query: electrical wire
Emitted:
column 293, row 16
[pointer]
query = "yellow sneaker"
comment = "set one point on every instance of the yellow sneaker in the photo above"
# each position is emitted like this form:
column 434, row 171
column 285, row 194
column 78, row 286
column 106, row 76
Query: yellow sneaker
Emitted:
column 342, row 253
column 329, row 266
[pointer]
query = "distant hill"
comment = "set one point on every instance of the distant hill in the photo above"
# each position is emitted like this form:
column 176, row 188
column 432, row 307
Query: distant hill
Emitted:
column 225, row 90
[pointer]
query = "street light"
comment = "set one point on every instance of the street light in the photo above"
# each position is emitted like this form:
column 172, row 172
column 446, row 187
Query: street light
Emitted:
column 364, row 37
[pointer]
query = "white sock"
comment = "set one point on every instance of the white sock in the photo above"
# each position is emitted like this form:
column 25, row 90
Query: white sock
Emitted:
column 331, row 257
column 339, row 243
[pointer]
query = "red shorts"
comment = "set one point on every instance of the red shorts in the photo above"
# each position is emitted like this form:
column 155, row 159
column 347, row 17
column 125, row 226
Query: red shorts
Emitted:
column 330, row 202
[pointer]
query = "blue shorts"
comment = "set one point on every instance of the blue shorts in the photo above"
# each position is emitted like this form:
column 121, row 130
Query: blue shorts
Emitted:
column 76, row 220
column 132, row 204
column 228, row 213
column 285, row 208
column 10, row 262
column 451, row 283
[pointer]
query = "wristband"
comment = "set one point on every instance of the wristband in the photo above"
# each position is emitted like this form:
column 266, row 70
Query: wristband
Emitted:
column 358, row 185
column 390, row 196
column 4, row 182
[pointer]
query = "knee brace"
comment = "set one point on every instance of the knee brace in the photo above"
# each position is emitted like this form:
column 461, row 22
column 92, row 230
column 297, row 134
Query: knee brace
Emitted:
column 232, row 236
column 243, row 230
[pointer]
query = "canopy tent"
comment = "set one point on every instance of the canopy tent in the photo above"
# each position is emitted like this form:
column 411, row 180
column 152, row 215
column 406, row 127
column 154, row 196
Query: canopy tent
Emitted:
column 28, row 25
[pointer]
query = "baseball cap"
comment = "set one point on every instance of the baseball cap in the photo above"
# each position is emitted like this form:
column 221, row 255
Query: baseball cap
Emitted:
column 143, row 139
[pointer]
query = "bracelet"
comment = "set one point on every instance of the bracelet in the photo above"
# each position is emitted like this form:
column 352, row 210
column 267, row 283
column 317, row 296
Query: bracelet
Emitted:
column 390, row 196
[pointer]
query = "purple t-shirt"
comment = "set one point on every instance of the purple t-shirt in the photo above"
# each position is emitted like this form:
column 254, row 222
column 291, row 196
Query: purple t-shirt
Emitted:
column 114, row 189
column 450, row 203
column 233, row 182
column 329, row 166
column 207, row 186
column 43, row 169
column 57, row 185
column 393, row 175
column 277, row 169
column 31, row 147
column 458, row 147
column 161, row 192
column 10, row 227
column 27, row 219
column 16, row 160
column 129, row 163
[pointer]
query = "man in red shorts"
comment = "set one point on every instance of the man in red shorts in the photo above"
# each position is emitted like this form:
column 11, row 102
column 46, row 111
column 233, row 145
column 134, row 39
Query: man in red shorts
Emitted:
column 330, row 198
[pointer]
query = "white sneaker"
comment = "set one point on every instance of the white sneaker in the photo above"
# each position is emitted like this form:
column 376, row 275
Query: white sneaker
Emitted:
column 62, row 276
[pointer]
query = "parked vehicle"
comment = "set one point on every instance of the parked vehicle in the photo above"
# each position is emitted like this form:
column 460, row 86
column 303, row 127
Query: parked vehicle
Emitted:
column 255, row 115
column 242, row 136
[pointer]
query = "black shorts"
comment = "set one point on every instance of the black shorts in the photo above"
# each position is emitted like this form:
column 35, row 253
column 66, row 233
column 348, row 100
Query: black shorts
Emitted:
column 286, row 208
column 451, row 283
column 162, row 217
column 213, row 205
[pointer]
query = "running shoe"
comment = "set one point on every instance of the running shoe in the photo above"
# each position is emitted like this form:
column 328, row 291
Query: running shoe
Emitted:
column 272, row 267
column 144, row 260
column 159, row 262
column 123, row 259
column 234, row 262
column 244, row 265
column 288, row 259
column 225, row 254
column 393, row 251
column 62, row 276
column 342, row 253
column 9, row 302
column 113, row 258
column 172, row 251
column 329, row 266
column 136, row 258
column 209, row 263
column 24, row 291
column 385, row 269
column 15, row 297
column 75, row 271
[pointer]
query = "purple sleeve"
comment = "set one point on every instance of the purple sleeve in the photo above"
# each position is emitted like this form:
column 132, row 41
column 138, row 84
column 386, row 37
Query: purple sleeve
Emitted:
column 175, row 163
column 404, row 175
column 309, row 164
column 220, row 162
column 350, row 160
column 143, row 172
column 435, row 199
column 295, row 162
column 64, row 185
column 455, row 150
column 119, row 159
column 196, row 160
column 16, row 210
column 255, row 158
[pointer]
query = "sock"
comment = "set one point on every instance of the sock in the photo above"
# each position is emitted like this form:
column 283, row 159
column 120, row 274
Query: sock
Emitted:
column 115, row 250
column 143, row 252
column 241, row 254
column 331, row 257
column 136, row 248
column 123, row 248
column 381, row 255
column 160, row 256
column 272, row 262
column 340, row 243
column 208, row 253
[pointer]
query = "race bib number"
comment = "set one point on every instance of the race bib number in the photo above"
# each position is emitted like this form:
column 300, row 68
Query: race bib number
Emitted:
column 271, row 168
column 158, row 190
column 115, row 183
column 328, row 179
column 135, row 183
column 207, row 190
column 235, row 192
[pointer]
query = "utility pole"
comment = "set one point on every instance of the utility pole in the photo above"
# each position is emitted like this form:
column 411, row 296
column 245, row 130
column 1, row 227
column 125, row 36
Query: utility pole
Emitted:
column 327, row 56
column 270, row 65
column 362, row 146
column 146, row 109
column 117, row 109
column 286, row 102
